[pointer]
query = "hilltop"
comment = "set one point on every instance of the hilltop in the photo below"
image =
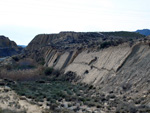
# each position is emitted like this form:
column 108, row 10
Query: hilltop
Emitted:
column 72, row 40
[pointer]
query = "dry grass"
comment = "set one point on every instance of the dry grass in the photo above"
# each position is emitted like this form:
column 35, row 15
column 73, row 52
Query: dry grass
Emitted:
column 27, row 61
column 22, row 75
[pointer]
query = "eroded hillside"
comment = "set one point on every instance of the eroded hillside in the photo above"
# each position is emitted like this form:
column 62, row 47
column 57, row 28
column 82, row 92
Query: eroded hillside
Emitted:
column 116, row 61
column 88, row 72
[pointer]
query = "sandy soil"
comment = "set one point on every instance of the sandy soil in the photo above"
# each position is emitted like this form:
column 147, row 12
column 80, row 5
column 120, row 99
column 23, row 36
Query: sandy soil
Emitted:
column 10, row 100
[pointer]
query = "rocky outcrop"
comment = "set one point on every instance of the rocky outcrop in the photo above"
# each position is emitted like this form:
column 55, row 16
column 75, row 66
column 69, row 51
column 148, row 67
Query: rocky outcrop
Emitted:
column 99, row 64
column 121, row 60
column 114, row 67
column 8, row 47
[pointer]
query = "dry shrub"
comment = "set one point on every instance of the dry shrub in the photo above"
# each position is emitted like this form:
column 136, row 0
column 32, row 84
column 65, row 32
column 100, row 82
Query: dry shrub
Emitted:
column 27, row 61
column 22, row 75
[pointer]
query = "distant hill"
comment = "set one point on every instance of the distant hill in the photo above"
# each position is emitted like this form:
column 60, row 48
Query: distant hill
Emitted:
column 8, row 47
column 145, row 32
column 23, row 46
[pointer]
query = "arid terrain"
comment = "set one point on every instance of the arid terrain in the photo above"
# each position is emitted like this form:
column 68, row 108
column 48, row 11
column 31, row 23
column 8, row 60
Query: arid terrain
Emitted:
column 77, row 72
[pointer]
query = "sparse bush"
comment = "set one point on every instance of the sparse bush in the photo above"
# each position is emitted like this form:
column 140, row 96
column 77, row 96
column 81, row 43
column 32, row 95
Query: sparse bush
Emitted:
column 98, row 106
column 112, row 96
column 86, row 72
column 126, row 86
column 70, row 76
column 53, row 106
column 96, row 100
column 41, row 61
column 91, row 87
column 105, row 44
column 69, row 105
column 15, row 58
column 124, row 34
column 56, row 72
column 129, row 108
column 131, row 42
column 89, row 103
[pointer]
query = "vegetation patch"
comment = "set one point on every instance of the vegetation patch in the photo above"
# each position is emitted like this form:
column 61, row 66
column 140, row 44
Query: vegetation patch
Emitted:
column 55, row 92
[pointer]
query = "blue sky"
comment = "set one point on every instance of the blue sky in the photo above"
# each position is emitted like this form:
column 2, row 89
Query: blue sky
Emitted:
column 21, row 20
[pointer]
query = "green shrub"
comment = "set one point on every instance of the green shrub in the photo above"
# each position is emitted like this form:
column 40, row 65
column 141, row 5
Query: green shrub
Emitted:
column 56, row 72
column 106, row 44
column 91, row 87
column 48, row 71
column 41, row 61
column 15, row 58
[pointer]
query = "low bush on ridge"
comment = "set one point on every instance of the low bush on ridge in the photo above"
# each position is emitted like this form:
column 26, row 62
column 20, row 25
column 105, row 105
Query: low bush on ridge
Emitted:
column 48, row 71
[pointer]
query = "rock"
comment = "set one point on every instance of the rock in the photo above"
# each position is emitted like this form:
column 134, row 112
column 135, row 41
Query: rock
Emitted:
column 6, row 88
column 148, row 104
column 65, row 105
column 72, row 107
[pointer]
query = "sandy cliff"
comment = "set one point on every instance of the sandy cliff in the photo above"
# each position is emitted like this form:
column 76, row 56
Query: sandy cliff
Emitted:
column 113, row 66
column 121, row 65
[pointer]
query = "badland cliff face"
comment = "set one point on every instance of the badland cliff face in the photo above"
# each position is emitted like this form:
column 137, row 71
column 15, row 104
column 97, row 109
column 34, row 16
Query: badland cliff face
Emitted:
column 8, row 47
column 110, row 61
